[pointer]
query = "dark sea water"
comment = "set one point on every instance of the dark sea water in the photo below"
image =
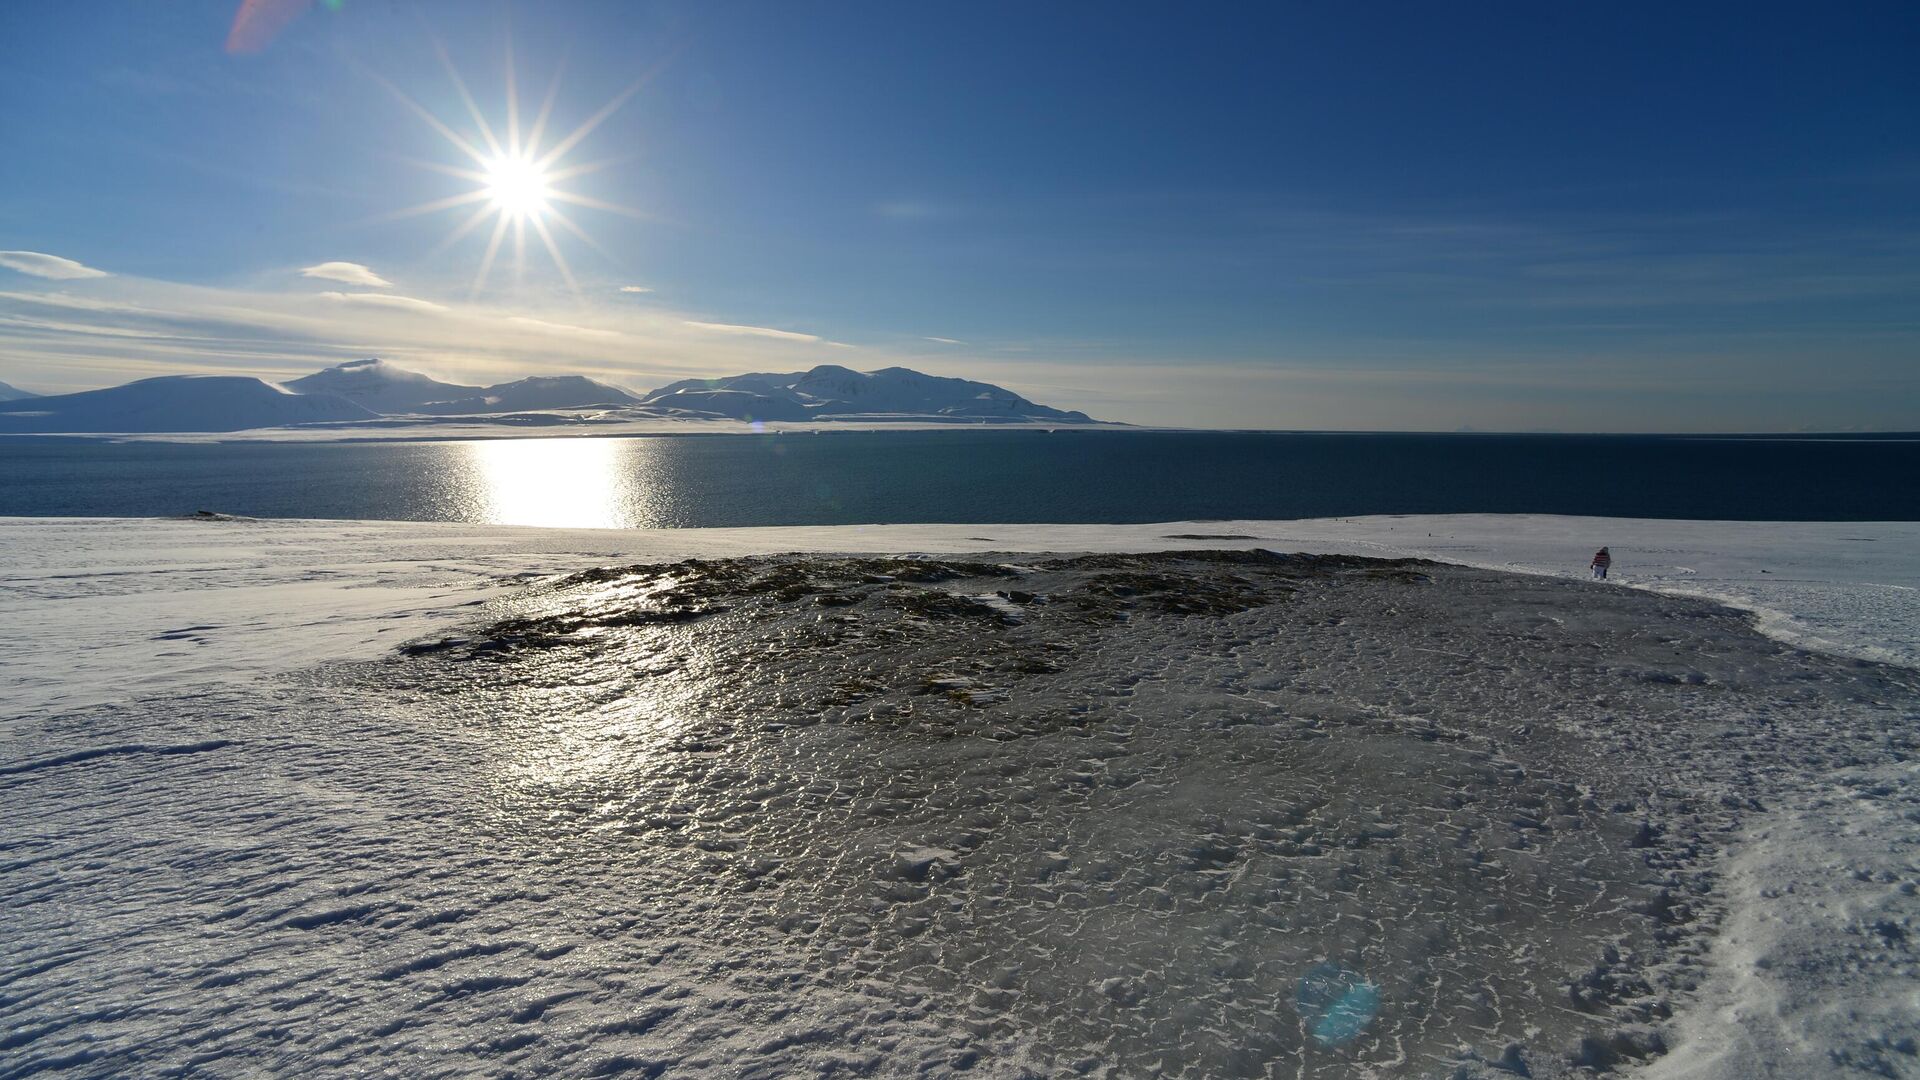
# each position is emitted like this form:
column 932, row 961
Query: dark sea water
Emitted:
column 973, row 476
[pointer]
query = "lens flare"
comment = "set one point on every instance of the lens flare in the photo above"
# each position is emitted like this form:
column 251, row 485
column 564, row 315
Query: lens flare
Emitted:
column 1336, row 1003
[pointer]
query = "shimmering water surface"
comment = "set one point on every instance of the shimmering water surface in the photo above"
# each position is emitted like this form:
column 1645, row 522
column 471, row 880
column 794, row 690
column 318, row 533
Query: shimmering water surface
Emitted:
column 971, row 476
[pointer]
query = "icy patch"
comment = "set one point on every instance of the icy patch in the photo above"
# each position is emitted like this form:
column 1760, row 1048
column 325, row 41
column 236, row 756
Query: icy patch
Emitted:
column 1210, row 815
column 101, row 596
column 612, row 838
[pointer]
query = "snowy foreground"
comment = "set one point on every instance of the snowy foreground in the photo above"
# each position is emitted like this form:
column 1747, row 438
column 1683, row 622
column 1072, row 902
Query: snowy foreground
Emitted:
column 296, row 797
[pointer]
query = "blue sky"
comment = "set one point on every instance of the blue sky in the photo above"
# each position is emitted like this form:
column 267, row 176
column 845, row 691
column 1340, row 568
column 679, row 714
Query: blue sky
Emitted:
column 1505, row 216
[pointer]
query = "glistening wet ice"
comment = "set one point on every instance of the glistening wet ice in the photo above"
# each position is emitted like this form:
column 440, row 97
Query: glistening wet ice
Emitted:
column 1229, row 814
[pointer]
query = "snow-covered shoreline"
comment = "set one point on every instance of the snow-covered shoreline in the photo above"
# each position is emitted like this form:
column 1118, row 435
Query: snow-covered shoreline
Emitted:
column 1815, row 898
column 574, row 423
column 140, row 604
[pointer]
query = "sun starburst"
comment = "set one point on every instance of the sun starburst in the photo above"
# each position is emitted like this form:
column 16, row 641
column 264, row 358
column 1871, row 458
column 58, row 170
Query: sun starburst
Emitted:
column 517, row 179
column 517, row 185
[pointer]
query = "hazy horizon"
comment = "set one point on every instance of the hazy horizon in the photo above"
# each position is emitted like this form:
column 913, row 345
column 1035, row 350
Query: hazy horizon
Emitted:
column 1303, row 218
column 645, row 389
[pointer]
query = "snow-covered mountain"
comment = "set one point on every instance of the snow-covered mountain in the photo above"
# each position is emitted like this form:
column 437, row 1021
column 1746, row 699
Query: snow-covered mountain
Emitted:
column 177, row 403
column 381, row 387
column 827, row 391
column 701, row 401
column 393, row 390
column 14, row 393
column 538, row 392
column 371, row 390
column 832, row 391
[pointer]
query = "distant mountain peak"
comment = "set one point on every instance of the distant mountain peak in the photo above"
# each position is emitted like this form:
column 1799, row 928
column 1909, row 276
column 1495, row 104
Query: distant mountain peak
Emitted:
column 374, row 364
column 367, row 389
column 832, row 391
column 379, row 385
column 14, row 393
column 536, row 392
column 387, row 388
column 178, row 403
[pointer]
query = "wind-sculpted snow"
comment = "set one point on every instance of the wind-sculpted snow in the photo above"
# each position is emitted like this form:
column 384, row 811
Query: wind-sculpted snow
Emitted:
column 1198, row 814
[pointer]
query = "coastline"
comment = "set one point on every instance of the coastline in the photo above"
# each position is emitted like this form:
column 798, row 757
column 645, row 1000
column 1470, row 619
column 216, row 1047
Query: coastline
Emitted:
column 561, row 425
column 264, row 588
column 553, row 426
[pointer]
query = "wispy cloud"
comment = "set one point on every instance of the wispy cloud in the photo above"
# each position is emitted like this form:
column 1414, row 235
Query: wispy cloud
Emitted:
column 346, row 273
column 947, row 340
column 563, row 328
column 737, row 330
column 753, row 331
column 40, row 264
column 93, row 329
column 635, row 289
column 130, row 327
column 386, row 300
column 75, row 303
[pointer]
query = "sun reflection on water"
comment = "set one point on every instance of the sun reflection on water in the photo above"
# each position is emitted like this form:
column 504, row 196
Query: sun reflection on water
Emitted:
column 556, row 483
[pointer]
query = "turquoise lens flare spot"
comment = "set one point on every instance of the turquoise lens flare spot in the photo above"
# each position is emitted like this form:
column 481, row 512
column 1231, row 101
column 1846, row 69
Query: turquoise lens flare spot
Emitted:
column 1336, row 1004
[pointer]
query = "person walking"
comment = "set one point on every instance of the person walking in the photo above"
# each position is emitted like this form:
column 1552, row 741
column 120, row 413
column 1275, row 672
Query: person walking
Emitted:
column 1601, row 560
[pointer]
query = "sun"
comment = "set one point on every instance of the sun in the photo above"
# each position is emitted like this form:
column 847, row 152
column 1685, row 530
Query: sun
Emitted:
column 517, row 174
column 517, row 186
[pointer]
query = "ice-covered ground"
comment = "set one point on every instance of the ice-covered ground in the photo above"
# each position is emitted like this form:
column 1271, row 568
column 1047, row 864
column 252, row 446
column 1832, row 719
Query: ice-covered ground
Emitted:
column 114, row 606
column 799, row 817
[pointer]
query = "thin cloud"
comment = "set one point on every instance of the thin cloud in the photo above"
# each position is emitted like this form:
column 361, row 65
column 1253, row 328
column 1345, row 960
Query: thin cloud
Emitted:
column 635, row 288
column 139, row 326
column 385, row 300
column 346, row 273
column 947, row 340
column 200, row 320
column 87, row 329
column 77, row 303
column 562, row 328
column 43, row 265
column 754, row 331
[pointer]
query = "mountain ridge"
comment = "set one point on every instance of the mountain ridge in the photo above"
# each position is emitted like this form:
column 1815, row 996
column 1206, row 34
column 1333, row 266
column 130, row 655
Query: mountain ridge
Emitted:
column 536, row 392
column 373, row 391
column 829, row 390
column 392, row 390
column 380, row 386
column 177, row 403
